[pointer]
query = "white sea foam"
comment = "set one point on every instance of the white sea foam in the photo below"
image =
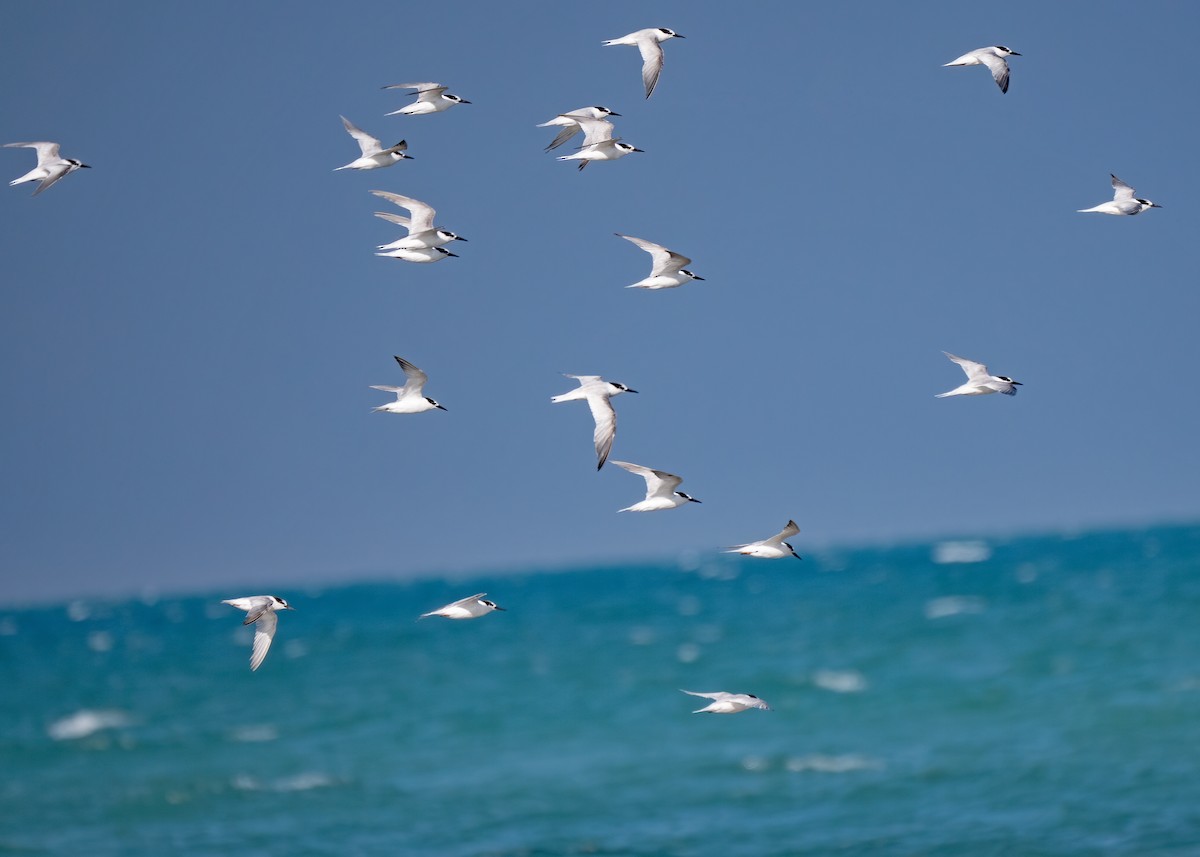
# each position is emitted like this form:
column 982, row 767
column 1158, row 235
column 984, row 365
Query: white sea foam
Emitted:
column 100, row 641
column 964, row 551
column 86, row 722
column 298, row 783
column 254, row 734
column 840, row 681
column 823, row 764
column 952, row 605
column 687, row 653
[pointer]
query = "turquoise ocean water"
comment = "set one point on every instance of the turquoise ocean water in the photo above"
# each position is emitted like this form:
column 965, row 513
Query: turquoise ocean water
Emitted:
column 1031, row 696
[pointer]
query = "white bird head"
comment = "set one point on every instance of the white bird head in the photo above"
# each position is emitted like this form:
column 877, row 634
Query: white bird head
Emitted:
column 604, row 111
column 668, row 34
column 626, row 148
column 447, row 235
column 687, row 497
column 454, row 98
column 435, row 404
column 619, row 388
column 1005, row 52
column 1148, row 204
column 491, row 605
column 279, row 604
column 690, row 274
column 1009, row 380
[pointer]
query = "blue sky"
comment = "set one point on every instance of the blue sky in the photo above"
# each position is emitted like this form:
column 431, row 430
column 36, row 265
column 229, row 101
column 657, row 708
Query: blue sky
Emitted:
column 190, row 328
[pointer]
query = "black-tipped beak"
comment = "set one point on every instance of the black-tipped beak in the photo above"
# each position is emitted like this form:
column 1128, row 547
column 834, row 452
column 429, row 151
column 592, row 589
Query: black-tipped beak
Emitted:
column 1014, row 53
column 613, row 113
column 639, row 150
column 459, row 238
column 694, row 277
column 501, row 609
column 679, row 36
column 1155, row 205
column 464, row 101
column 796, row 555
column 693, row 500
column 89, row 166
column 448, row 253
column 631, row 391
column 1018, row 383
column 405, row 157
column 439, row 407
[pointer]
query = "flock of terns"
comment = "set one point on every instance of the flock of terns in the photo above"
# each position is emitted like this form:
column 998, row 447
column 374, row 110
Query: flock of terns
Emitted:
column 425, row 243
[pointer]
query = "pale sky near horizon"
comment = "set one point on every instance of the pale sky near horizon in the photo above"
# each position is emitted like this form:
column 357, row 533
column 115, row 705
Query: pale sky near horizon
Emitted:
column 190, row 328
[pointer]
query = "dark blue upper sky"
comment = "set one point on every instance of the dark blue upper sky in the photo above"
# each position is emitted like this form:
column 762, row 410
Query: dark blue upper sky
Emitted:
column 189, row 329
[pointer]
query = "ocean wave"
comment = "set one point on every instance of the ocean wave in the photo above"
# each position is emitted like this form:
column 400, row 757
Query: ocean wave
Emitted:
column 823, row 764
column 840, row 681
column 952, row 605
column 945, row 553
column 297, row 783
column 86, row 722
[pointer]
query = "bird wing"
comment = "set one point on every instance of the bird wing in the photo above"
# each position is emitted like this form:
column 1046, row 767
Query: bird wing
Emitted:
column 652, row 63
column 463, row 602
column 46, row 152
column 663, row 261
column 975, row 371
column 264, row 633
column 54, row 176
column 368, row 144
column 720, row 694
column 783, row 535
column 570, row 129
column 606, row 426
column 1121, row 190
column 422, row 213
column 388, row 389
column 595, row 131
column 398, row 219
column 998, row 66
column 584, row 380
column 416, row 378
column 658, row 482
column 419, row 87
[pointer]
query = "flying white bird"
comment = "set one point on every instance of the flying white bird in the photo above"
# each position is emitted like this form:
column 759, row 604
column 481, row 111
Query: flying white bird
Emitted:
column 374, row 156
column 465, row 608
column 566, row 121
column 1123, row 201
column 409, row 399
column 598, row 143
column 431, row 98
column 422, row 235
column 728, row 703
column 993, row 58
column 427, row 254
column 260, row 609
column 649, row 43
column 660, row 489
column 666, row 266
column 772, row 548
column 50, row 167
column 597, row 392
column 979, row 382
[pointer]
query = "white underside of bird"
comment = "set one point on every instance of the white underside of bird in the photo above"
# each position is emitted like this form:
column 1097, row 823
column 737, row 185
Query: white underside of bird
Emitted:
column 50, row 165
column 728, row 703
column 596, row 392
column 420, row 255
column 979, row 381
column 660, row 489
column 1123, row 201
column 775, row 547
column 466, row 608
column 374, row 155
column 260, row 610
column 410, row 399
column 666, row 266
column 993, row 57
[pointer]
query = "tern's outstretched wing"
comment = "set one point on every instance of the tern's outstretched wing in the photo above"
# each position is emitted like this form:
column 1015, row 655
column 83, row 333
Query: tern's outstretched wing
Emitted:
column 264, row 633
column 368, row 144
column 1120, row 189
column 998, row 66
column 652, row 63
column 975, row 371
column 606, row 426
